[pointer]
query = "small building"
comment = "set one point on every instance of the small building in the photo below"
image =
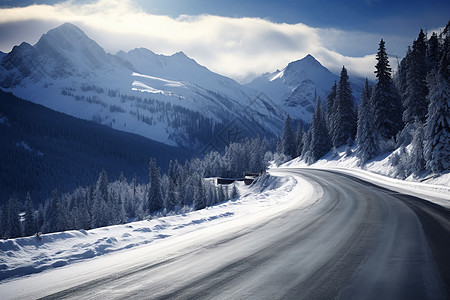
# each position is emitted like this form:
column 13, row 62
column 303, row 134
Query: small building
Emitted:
column 227, row 180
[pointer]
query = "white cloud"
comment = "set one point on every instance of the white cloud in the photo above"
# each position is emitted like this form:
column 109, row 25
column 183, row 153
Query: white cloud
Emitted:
column 236, row 47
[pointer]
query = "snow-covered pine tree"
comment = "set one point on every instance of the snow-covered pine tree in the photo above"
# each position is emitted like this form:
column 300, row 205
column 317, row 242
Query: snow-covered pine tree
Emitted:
column 101, row 186
column 39, row 218
column 366, row 137
column 84, row 217
column 401, row 75
column 331, row 99
column 385, row 99
column 415, row 103
column 288, row 140
column 432, row 53
column 320, row 140
column 306, row 153
column 101, row 210
column 417, row 160
column 174, row 170
column 343, row 117
column 14, row 228
column 51, row 214
column 437, row 144
column 29, row 223
column 154, row 200
column 98, row 218
column 170, row 201
column 299, row 138
column 199, row 194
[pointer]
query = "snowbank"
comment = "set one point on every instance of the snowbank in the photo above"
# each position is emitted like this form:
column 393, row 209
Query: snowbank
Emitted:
column 380, row 171
column 266, row 198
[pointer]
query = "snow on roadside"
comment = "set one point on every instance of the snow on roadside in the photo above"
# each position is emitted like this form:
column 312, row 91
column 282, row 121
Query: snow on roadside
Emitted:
column 380, row 171
column 268, row 197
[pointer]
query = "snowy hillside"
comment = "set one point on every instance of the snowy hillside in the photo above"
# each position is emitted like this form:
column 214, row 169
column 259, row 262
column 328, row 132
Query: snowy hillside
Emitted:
column 295, row 87
column 170, row 99
column 382, row 170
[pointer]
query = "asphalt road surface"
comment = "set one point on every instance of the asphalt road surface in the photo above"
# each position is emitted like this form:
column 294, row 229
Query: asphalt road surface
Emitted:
column 356, row 241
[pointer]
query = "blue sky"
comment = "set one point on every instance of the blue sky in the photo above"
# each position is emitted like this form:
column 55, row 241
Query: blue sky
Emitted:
column 240, row 39
column 374, row 16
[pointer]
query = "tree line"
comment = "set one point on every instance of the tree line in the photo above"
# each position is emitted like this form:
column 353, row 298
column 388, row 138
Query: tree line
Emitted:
column 408, row 111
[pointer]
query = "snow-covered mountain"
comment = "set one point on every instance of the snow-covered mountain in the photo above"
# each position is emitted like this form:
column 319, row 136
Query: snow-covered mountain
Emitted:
column 295, row 88
column 171, row 99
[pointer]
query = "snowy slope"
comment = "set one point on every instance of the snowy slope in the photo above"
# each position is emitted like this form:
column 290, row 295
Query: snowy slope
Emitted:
column 435, row 188
column 171, row 99
column 296, row 86
column 263, row 200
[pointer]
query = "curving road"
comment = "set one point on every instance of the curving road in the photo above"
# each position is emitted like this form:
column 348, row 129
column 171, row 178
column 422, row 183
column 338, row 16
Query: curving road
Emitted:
column 357, row 241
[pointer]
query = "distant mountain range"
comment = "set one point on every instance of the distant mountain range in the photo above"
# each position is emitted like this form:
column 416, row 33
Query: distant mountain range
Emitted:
column 170, row 99
column 295, row 88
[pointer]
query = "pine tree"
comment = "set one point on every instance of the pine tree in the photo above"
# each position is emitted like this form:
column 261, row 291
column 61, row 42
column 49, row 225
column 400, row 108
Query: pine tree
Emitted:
column 101, row 208
column 39, row 218
column 331, row 102
column 437, row 144
column 306, row 153
column 101, row 186
column 343, row 118
column 29, row 227
column 366, row 135
column 98, row 212
column 174, row 170
column 170, row 200
column 154, row 200
column 320, row 140
column 417, row 160
column 84, row 219
column 433, row 53
column 199, row 195
column 288, row 140
column 385, row 99
column 51, row 214
column 63, row 215
column 14, row 228
column 415, row 103
column 299, row 139
column 401, row 75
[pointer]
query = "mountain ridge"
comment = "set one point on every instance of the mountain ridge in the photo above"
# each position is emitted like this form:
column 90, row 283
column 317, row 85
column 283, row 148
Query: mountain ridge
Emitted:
column 170, row 99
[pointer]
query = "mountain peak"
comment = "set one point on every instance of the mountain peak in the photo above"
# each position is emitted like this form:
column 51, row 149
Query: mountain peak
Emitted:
column 69, row 27
column 307, row 61
column 67, row 38
column 66, row 31
column 180, row 54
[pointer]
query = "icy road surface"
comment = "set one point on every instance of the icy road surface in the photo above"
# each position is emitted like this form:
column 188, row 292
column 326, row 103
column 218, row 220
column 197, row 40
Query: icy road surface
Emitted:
column 353, row 240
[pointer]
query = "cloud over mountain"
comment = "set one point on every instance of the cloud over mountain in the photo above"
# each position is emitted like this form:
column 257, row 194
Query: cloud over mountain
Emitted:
column 240, row 48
